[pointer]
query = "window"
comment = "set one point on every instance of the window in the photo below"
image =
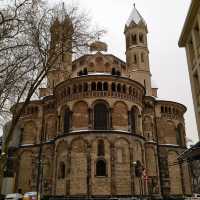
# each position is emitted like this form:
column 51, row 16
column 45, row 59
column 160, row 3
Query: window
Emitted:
column 113, row 87
column 100, row 117
column 66, row 119
column 141, row 38
column 124, row 89
column 101, row 168
column 105, row 86
column 130, row 90
column 61, row 172
column 94, row 86
column 101, row 149
column 99, row 86
column 113, row 71
column 118, row 88
column 134, row 39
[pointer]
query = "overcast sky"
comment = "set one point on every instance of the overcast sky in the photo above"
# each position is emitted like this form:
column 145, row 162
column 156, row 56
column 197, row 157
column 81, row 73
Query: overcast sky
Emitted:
column 165, row 19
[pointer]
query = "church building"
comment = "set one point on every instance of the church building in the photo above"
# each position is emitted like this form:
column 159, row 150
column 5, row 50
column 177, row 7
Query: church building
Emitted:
column 101, row 130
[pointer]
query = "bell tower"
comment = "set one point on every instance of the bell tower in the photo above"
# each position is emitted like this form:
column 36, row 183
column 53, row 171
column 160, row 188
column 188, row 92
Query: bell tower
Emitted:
column 60, row 52
column 137, row 53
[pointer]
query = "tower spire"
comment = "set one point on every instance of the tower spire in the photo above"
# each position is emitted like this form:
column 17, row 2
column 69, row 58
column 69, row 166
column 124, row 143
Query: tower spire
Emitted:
column 137, row 54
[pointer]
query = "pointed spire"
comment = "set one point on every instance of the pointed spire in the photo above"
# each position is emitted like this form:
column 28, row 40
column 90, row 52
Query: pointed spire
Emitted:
column 135, row 17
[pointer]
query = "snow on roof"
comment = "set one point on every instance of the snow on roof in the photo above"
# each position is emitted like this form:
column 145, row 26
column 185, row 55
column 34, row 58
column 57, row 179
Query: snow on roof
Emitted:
column 135, row 17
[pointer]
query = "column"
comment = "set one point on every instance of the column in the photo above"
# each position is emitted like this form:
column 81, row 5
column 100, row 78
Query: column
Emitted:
column 182, row 178
column 90, row 118
column 89, row 183
column 55, row 174
column 129, row 121
column 113, row 188
column 70, row 120
column 110, row 120
column 132, row 168
column 68, row 170
column 59, row 124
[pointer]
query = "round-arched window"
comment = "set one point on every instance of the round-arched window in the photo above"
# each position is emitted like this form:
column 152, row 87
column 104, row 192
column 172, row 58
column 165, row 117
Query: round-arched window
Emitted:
column 100, row 116
column 101, row 168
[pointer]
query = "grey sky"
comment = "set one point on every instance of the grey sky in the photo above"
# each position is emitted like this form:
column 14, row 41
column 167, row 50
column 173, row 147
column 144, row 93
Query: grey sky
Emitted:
column 165, row 20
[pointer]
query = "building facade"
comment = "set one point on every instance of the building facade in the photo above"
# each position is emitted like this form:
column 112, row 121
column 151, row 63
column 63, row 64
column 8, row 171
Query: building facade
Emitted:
column 190, row 40
column 99, row 130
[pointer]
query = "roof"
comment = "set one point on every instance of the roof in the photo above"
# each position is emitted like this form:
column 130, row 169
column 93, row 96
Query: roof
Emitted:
column 189, row 22
column 135, row 17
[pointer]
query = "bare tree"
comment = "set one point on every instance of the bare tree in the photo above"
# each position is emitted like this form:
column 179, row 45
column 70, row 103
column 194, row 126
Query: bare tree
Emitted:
column 27, row 51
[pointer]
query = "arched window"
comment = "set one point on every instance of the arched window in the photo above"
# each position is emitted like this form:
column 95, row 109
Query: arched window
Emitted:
column 113, row 87
column 124, row 88
column 85, row 87
column 100, row 117
column 141, row 38
column 113, row 71
column 134, row 92
column 66, row 119
column 99, row 86
column 162, row 109
column 101, row 168
column 94, row 87
column 101, row 149
column 130, row 90
column 134, row 39
column 134, row 119
column 105, row 86
column 119, row 87
column 61, row 172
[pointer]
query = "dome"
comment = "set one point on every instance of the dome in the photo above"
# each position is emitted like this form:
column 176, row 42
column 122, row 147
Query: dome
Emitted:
column 98, row 46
